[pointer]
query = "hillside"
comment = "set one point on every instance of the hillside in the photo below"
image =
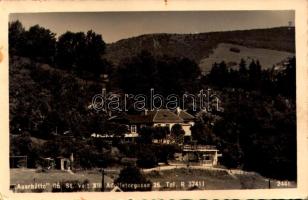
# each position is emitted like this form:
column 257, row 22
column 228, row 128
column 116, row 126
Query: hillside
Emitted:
column 199, row 46
column 40, row 93
column 232, row 54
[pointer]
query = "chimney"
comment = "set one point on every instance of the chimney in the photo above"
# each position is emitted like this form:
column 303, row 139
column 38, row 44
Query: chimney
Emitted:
column 178, row 110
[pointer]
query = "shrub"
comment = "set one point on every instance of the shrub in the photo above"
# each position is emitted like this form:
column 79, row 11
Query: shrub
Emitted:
column 147, row 158
column 131, row 179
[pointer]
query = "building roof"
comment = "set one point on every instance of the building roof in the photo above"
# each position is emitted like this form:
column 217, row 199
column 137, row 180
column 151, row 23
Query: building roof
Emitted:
column 186, row 116
column 141, row 119
column 155, row 116
column 166, row 116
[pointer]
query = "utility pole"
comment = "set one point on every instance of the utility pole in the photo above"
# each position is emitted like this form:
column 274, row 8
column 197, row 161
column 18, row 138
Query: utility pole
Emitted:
column 105, row 80
column 103, row 180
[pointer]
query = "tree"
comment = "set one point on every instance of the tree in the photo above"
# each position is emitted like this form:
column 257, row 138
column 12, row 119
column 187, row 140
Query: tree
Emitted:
column 147, row 158
column 163, row 73
column 131, row 176
column 23, row 145
column 219, row 74
column 82, row 53
column 243, row 74
column 286, row 79
column 165, row 152
column 94, row 49
column 138, row 74
column 115, row 129
column 146, row 135
column 177, row 133
column 90, row 157
column 202, row 134
column 16, row 37
column 177, row 130
column 254, row 74
column 242, row 67
column 52, row 124
column 258, row 132
column 160, row 133
column 67, row 48
column 40, row 43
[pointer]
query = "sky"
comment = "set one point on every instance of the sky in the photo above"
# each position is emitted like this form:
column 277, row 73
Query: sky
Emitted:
column 114, row 26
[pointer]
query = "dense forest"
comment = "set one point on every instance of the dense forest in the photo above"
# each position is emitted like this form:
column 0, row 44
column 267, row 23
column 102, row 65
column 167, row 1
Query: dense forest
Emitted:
column 53, row 79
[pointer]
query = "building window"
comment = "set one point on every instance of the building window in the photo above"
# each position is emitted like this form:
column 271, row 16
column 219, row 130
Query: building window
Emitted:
column 207, row 157
column 133, row 128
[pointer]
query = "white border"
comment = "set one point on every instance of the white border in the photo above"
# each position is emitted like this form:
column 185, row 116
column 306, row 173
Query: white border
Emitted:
column 300, row 7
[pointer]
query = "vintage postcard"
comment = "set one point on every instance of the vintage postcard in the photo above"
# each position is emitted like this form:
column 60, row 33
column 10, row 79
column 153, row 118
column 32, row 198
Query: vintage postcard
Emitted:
column 154, row 100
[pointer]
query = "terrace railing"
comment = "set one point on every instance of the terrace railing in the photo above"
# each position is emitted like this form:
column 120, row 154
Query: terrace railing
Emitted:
column 199, row 147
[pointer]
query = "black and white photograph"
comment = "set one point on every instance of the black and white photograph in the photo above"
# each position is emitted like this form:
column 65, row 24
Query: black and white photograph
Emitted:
column 160, row 101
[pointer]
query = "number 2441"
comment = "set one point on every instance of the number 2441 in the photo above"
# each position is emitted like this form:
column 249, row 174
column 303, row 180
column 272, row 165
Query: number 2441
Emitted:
column 283, row 184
